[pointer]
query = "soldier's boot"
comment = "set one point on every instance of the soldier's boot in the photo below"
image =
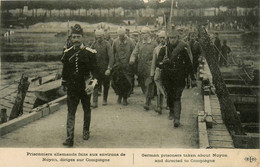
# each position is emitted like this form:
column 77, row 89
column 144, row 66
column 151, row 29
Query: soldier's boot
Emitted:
column 147, row 103
column 99, row 90
column 95, row 98
column 104, row 102
column 125, row 103
column 68, row 143
column 187, row 82
column 85, row 135
column 177, row 113
column 105, row 98
column 176, row 123
column 159, row 104
column 167, row 104
column 119, row 99
column 171, row 113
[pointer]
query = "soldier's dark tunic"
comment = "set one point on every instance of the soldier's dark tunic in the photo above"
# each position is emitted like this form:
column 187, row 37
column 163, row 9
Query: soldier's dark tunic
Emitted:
column 196, row 51
column 217, row 44
column 174, row 74
column 77, row 65
column 225, row 50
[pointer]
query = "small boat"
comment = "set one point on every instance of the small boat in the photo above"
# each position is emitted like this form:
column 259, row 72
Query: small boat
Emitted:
column 48, row 90
column 52, row 89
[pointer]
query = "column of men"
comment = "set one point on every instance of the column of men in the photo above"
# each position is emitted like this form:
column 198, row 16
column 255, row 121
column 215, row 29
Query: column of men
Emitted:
column 162, row 66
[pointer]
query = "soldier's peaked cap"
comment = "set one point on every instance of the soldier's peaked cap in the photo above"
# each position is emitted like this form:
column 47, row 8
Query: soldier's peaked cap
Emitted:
column 145, row 30
column 121, row 31
column 76, row 29
column 162, row 34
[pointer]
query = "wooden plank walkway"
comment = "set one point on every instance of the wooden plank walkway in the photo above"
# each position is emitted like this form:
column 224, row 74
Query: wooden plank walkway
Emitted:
column 217, row 133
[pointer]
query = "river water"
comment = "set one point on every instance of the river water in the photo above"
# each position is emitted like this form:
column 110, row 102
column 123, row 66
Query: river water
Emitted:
column 43, row 47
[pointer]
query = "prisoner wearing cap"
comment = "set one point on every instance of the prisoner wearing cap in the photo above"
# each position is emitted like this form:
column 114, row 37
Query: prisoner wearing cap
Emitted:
column 145, row 30
column 121, row 31
column 76, row 29
column 99, row 33
column 162, row 34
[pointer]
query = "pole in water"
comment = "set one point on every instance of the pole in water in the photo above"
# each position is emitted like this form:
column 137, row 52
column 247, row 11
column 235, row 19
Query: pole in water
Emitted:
column 3, row 115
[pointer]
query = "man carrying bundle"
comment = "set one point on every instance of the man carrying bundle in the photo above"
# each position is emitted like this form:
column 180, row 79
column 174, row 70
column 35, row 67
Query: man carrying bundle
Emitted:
column 176, row 65
column 121, row 74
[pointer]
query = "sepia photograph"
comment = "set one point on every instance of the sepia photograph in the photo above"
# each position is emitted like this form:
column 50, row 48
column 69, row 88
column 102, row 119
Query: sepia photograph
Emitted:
column 129, row 82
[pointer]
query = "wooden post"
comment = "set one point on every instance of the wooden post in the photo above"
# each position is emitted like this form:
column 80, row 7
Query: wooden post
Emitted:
column 3, row 115
column 18, row 104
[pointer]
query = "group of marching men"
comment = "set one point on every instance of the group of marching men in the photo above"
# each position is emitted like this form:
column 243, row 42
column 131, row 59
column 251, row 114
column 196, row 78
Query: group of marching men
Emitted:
column 162, row 65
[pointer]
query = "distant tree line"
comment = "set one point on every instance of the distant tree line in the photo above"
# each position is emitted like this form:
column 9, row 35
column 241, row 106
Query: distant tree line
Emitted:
column 126, row 4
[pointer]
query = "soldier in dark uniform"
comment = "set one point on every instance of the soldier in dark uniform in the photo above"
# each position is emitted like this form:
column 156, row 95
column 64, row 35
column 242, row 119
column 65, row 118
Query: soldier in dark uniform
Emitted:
column 176, row 65
column 217, row 44
column 78, row 62
column 225, row 50
column 195, row 50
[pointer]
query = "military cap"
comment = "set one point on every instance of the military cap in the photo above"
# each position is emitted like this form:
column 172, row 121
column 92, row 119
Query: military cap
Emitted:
column 145, row 30
column 121, row 31
column 99, row 32
column 76, row 29
column 161, row 34
column 136, row 33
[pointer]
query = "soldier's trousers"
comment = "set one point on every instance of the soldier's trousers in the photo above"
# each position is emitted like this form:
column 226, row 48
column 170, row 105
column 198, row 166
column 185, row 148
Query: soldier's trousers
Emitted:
column 174, row 100
column 159, row 87
column 73, row 98
column 158, row 82
column 105, row 81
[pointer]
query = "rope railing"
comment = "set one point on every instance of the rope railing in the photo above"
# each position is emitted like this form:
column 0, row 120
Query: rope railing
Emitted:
column 238, row 74
column 228, row 109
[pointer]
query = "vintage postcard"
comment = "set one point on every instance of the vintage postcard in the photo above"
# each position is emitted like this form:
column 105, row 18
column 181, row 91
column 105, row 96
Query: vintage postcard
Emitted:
column 149, row 83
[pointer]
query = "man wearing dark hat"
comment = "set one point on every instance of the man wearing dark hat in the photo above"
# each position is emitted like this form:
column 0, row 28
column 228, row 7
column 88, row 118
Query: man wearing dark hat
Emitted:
column 176, row 65
column 225, row 50
column 79, row 62
column 217, row 45
column 195, row 50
